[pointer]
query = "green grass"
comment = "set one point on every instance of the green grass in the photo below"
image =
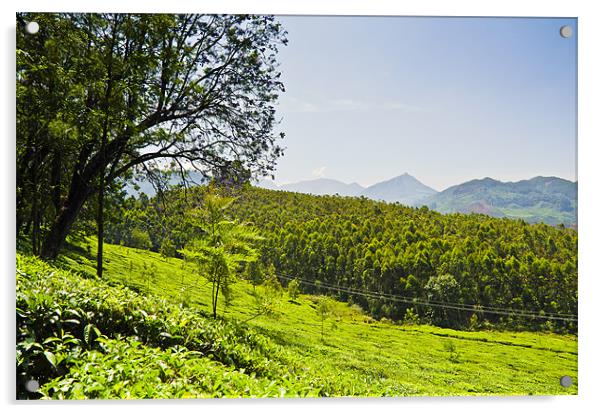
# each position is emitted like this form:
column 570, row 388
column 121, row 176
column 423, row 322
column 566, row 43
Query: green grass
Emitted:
column 366, row 357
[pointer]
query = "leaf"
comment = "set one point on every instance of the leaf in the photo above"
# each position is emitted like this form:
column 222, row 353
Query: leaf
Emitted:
column 73, row 312
column 29, row 343
column 87, row 330
column 71, row 321
column 50, row 357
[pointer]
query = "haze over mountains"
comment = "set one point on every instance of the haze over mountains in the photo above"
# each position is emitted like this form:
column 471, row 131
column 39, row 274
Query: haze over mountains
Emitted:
column 322, row 186
column 404, row 189
column 541, row 199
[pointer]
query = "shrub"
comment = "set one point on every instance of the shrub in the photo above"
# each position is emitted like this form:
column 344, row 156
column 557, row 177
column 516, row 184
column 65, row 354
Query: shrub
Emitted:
column 450, row 347
column 140, row 239
column 411, row 318
column 168, row 249
column 293, row 289
column 473, row 322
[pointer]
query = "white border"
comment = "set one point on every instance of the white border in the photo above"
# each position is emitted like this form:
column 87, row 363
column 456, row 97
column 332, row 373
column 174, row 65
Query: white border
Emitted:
column 590, row 35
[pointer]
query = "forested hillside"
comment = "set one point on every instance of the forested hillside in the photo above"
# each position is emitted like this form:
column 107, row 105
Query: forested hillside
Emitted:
column 550, row 200
column 396, row 262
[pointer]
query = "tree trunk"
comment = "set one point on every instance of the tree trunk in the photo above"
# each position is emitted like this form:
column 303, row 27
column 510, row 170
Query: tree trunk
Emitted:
column 100, row 225
column 35, row 199
column 213, row 295
column 60, row 228
column 215, row 298
column 55, row 180
column 22, row 184
column 100, row 219
column 35, row 229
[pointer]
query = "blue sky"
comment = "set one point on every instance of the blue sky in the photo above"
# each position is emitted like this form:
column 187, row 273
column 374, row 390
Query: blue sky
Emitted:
column 444, row 99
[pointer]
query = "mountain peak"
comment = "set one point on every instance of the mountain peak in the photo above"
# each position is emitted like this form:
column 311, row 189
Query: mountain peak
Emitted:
column 404, row 188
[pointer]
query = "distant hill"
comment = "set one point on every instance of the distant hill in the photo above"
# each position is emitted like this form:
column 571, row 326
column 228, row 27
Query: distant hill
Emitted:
column 550, row 200
column 404, row 189
column 144, row 186
column 266, row 184
column 324, row 186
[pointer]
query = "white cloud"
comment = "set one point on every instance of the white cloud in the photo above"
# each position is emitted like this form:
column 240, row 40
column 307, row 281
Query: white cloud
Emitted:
column 318, row 172
column 400, row 106
column 294, row 105
column 363, row 105
column 346, row 104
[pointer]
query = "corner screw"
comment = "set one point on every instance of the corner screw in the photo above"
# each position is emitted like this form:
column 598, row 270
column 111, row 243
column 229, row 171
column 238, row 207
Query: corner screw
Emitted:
column 32, row 27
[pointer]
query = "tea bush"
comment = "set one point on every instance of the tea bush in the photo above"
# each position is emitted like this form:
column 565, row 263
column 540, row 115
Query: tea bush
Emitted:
column 60, row 314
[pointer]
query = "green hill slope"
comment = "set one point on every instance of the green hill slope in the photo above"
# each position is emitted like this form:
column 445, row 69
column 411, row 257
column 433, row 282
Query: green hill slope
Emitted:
column 333, row 244
column 159, row 342
column 541, row 199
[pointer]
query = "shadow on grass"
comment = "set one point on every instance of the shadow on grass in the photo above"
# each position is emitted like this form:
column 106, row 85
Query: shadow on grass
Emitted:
column 285, row 340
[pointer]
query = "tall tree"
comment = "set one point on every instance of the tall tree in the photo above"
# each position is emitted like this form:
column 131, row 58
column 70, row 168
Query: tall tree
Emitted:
column 197, row 91
column 225, row 247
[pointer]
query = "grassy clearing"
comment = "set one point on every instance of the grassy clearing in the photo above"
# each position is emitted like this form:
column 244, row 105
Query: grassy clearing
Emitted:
column 356, row 350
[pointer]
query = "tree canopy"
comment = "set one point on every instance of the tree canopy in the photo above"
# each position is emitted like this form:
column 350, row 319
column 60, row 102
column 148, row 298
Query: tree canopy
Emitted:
column 99, row 95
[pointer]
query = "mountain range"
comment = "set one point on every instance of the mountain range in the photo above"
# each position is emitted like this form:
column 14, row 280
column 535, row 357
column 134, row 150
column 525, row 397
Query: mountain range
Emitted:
column 550, row 200
column 404, row 189
column 541, row 199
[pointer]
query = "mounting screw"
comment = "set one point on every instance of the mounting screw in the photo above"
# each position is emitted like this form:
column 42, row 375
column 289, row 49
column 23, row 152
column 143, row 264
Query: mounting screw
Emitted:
column 566, row 381
column 566, row 31
column 32, row 27
column 32, row 386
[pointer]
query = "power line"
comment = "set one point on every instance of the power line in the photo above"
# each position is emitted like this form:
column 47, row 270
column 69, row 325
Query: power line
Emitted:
column 454, row 306
column 470, row 307
column 413, row 301
column 467, row 306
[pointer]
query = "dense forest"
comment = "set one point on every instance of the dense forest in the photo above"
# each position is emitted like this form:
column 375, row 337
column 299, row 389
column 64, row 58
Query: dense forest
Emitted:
column 395, row 261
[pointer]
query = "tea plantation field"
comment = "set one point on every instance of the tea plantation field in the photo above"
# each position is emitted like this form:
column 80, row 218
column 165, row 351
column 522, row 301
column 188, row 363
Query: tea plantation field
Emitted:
column 144, row 331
